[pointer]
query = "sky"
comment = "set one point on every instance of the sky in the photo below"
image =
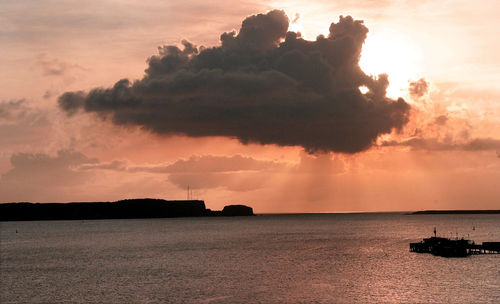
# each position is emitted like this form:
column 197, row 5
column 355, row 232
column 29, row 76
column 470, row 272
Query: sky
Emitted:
column 286, row 106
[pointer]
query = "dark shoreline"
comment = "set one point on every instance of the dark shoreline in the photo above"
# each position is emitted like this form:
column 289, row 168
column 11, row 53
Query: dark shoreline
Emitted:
column 457, row 212
column 123, row 209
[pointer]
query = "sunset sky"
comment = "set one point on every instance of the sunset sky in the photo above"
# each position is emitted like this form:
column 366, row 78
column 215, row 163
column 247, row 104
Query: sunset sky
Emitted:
column 106, row 100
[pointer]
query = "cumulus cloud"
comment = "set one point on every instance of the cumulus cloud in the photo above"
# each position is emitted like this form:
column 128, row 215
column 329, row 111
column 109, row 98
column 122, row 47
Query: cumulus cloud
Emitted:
column 442, row 124
column 115, row 165
column 33, row 175
column 478, row 144
column 418, row 88
column 16, row 110
column 211, row 164
column 194, row 164
column 246, row 181
column 22, row 124
column 435, row 144
column 441, row 120
column 262, row 85
column 55, row 67
column 48, row 94
column 44, row 169
column 12, row 109
column 236, row 173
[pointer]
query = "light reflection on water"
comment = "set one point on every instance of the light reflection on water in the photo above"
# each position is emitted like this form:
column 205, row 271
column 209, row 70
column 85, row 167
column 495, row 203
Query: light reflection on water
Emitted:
column 323, row 258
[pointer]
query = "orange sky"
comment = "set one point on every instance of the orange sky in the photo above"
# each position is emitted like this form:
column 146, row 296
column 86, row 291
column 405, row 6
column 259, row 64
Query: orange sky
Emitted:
column 446, row 157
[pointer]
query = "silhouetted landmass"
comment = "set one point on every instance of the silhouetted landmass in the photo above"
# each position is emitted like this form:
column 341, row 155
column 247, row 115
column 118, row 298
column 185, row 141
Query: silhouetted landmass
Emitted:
column 237, row 210
column 457, row 212
column 123, row 209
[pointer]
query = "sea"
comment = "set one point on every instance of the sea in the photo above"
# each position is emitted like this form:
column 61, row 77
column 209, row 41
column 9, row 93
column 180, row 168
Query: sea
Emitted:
column 273, row 258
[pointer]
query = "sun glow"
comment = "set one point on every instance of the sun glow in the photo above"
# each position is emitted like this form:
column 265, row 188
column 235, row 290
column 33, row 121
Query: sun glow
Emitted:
column 393, row 55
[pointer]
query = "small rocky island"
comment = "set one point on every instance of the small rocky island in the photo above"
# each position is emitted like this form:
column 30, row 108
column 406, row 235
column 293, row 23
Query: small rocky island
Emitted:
column 123, row 209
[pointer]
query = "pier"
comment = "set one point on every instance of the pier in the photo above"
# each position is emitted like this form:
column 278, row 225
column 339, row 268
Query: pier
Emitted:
column 485, row 248
column 446, row 247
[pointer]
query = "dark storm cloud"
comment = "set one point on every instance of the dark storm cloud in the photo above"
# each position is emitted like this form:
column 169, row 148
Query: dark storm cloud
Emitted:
column 262, row 85
column 418, row 88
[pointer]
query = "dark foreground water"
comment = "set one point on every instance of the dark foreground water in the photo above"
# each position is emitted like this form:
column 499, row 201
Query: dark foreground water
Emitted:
column 326, row 258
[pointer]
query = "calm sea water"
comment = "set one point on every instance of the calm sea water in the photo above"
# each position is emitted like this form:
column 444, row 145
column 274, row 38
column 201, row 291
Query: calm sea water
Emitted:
column 323, row 258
